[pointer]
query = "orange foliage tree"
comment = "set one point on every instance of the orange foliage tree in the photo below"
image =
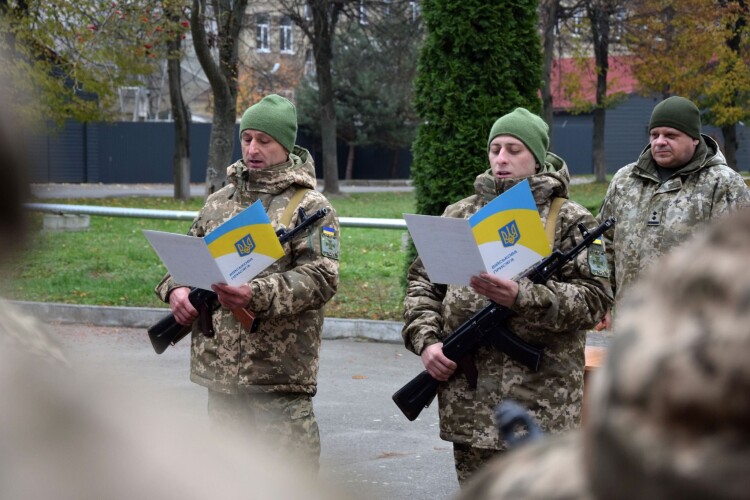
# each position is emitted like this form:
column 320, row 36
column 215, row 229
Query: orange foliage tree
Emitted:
column 698, row 49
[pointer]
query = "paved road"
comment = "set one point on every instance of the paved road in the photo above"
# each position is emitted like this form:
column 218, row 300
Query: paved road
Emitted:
column 369, row 447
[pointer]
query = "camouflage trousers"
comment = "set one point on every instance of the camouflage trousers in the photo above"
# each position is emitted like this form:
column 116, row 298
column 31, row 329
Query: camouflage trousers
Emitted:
column 469, row 460
column 285, row 423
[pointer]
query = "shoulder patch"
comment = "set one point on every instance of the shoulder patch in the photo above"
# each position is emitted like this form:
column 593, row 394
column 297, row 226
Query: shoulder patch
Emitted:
column 598, row 260
column 329, row 242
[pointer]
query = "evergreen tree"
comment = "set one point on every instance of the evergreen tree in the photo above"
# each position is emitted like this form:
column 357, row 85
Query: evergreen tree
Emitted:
column 480, row 60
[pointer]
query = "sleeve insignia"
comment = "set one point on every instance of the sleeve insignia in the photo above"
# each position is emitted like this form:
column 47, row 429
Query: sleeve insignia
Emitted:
column 329, row 242
column 598, row 260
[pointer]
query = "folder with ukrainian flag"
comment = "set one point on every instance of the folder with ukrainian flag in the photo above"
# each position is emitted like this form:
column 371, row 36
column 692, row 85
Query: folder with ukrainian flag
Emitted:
column 233, row 253
column 504, row 238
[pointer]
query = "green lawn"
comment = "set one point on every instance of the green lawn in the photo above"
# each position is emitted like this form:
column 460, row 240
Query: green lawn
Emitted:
column 112, row 263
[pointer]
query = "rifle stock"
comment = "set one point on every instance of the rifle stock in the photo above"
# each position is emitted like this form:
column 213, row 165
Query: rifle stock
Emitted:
column 488, row 325
column 416, row 394
column 167, row 331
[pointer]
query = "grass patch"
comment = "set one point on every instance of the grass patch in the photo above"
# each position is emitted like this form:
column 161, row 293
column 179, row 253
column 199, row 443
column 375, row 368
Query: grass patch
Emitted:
column 113, row 264
column 590, row 195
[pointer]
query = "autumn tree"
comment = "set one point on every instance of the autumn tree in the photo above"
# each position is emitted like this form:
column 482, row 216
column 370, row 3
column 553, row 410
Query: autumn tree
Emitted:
column 318, row 20
column 176, row 24
column 698, row 49
column 374, row 100
column 590, row 27
column 602, row 16
column 69, row 59
column 549, row 17
column 215, row 27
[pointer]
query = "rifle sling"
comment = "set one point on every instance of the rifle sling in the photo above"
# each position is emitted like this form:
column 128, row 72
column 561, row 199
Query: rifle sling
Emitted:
column 286, row 217
column 549, row 226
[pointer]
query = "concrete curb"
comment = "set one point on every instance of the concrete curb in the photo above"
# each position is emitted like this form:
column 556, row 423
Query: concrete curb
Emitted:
column 144, row 317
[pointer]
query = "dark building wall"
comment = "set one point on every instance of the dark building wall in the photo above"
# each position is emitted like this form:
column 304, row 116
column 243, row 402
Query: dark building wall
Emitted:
column 141, row 152
column 370, row 162
column 571, row 140
column 625, row 136
column 112, row 153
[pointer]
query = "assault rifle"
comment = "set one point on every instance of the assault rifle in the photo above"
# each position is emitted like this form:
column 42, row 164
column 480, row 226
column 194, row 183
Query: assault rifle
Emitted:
column 167, row 331
column 487, row 327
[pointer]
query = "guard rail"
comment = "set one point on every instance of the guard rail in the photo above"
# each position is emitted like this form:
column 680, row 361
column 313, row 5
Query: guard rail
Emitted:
column 146, row 213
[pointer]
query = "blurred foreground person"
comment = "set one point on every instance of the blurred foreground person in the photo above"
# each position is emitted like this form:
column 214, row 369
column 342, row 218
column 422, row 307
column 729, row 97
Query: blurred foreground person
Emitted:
column 669, row 410
column 68, row 438
column 17, row 328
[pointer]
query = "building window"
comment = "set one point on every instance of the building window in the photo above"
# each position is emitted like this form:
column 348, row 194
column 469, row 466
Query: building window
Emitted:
column 307, row 13
column 414, row 7
column 262, row 42
column 579, row 19
column 309, row 63
column 362, row 12
column 618, row 25
column 286, row 35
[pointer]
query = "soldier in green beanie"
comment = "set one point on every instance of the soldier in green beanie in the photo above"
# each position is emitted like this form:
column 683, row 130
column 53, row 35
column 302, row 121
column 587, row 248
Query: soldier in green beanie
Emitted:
column 679, row 183
column 553, row 315
column 260, row 361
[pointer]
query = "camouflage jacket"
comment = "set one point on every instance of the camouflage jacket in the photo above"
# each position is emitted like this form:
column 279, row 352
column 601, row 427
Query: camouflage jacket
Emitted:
column 554, row 316
column 288, row 297
column 654, row 216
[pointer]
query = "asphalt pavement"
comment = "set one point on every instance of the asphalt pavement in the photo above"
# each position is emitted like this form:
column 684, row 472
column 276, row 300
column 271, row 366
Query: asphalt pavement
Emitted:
column 368, row 446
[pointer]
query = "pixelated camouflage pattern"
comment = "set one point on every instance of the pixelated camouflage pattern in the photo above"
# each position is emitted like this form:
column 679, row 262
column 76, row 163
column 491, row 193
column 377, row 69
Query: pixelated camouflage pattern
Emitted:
column 549, row 469
column 284, row 422
column 26, row 333
column 670, row 409
column 554, row 316
column 469, row 459
column 704, row 189
column 288, row 297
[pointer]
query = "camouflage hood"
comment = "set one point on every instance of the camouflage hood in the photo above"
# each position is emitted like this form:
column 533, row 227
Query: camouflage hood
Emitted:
column 298, row 169
column 551, row 182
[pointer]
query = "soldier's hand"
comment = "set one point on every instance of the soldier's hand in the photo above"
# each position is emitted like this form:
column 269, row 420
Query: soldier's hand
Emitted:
column 436, row 363
column 233, row 297
column 605, row 323
column 183, row 311
column 498, row 290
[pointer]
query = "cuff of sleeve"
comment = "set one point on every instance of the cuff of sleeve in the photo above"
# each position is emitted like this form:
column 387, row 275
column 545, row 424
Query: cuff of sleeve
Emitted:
column 164, row 288
column 423, row 342
column 524, row 292
column 257, row 302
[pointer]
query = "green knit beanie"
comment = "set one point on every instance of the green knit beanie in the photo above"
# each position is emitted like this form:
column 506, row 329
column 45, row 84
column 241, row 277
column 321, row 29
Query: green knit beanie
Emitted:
column 526, row 127
column 274, row 116
column 677, row 112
